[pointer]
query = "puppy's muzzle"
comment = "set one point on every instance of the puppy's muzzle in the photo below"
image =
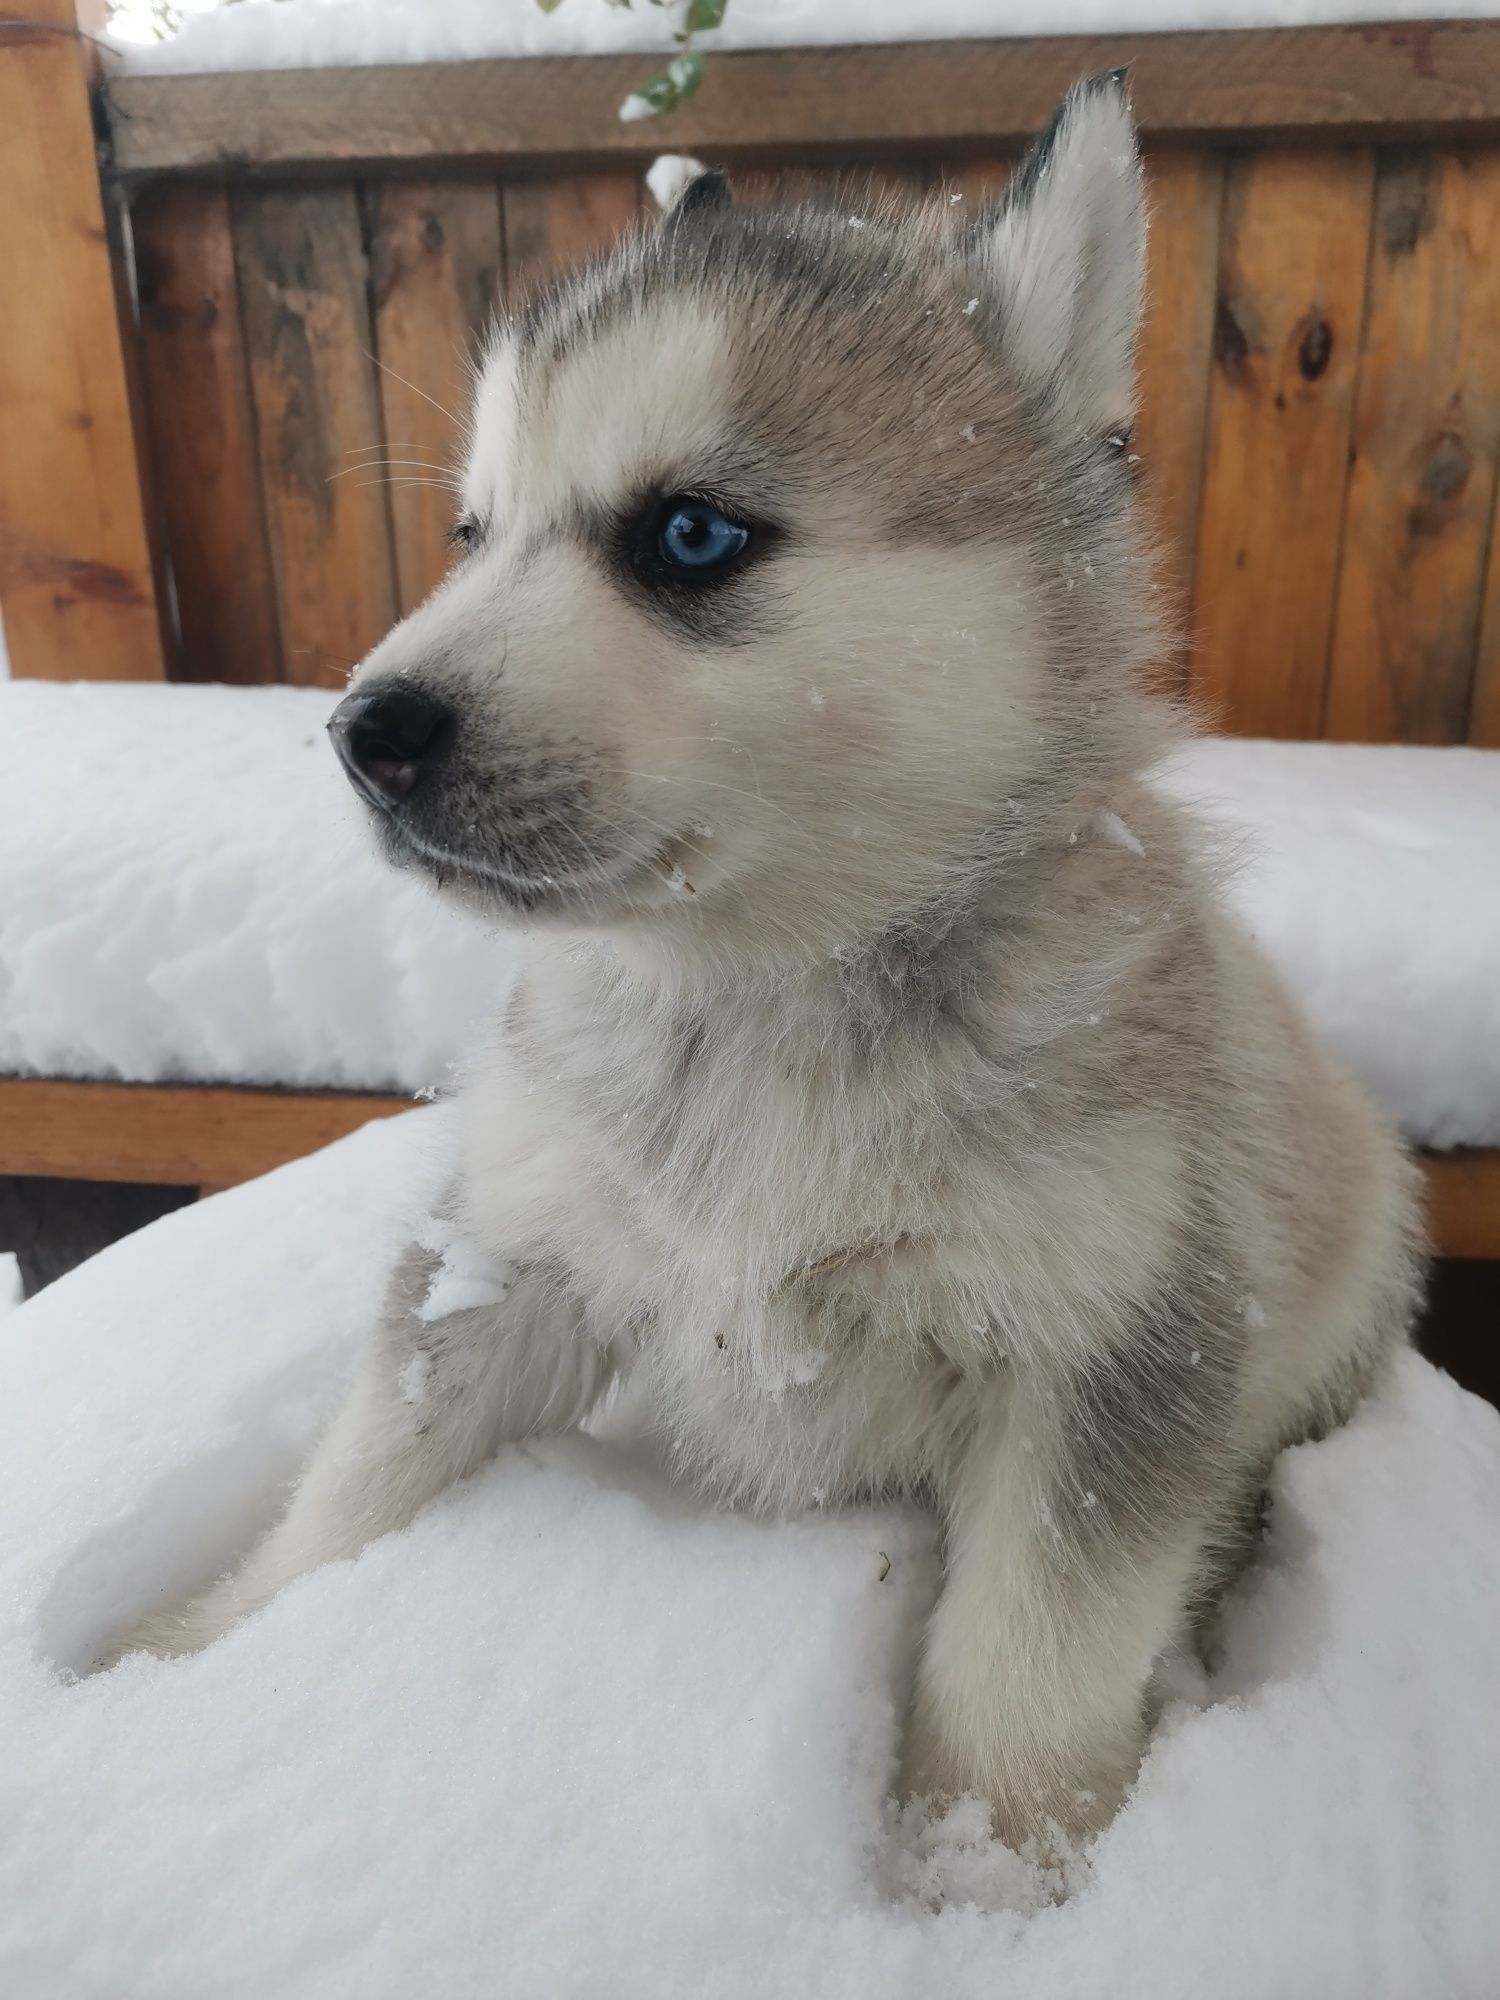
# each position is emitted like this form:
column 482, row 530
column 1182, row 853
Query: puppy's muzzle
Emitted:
column 388, row 741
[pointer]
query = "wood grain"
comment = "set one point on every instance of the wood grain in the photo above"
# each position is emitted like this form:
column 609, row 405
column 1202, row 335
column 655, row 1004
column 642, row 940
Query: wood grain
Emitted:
column 1484, row 705
column 1185, row 192
column 207, row 1136
column 1463, row 1203
column 170, row 1135
column 1295, row 239
column 975, row 182
column 1426, row 430
column 202, row 430
column 78, row 570
column 435, row 275
column 553, row 222
column 1339, row 80
column 302, row 282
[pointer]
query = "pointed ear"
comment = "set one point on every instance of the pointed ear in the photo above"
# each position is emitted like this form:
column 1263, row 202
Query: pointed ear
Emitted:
column 1063, row 256
column 683, row 187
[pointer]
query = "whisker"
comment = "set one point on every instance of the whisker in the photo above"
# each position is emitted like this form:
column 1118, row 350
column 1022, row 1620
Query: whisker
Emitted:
column 402, row 485
column 426, row 464
column 709, row 784
column 386, row 367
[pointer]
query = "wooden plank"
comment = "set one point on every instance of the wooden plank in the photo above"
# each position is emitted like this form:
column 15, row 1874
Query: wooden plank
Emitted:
column 1426, row 430
column 170, row 1135
column 435, row 275
column 202, row 430
column 302, row 278
column 1484, row 709
column 1340, row 80
column 1463, row 1203
column 211, row 1136
column 555, row 222
column 975, row 182
column 1484, row 706
column 78, row 575
column 1185, row 192
column 1295, row 240
column 857, row 183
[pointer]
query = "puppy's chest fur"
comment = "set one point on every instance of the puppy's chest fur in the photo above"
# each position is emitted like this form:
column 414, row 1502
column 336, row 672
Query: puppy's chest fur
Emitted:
column 821, row 1233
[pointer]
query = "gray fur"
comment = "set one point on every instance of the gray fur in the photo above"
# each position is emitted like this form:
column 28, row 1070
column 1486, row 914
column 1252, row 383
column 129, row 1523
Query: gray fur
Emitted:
column 886, row 1081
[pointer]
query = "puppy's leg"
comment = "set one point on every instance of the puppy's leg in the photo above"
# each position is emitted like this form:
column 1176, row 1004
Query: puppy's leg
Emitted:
column 434, row 1397
column 1077, row 1531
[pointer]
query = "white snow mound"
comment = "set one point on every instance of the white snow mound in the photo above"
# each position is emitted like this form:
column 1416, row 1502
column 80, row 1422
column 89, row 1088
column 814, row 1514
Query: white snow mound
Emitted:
column 187, row 891
column 576, row 1733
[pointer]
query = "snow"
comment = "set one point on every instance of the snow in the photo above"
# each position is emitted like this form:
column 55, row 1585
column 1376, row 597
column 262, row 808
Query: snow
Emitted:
column 575, row 1733
column 209, row 904
column 466, row 1277
column 288, row 34
column 1368, row 872
column 668, row 174
column 198, row 897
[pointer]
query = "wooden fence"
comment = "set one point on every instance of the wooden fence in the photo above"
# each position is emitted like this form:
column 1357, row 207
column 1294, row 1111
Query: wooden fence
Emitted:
column 190, row 452
column 314, row 252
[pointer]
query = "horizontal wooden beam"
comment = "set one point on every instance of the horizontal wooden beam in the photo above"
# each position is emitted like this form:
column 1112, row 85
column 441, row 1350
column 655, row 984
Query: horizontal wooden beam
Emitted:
column 170, row 1135
column 196, row 1135
column 1463, row 1203
column 1334, row 82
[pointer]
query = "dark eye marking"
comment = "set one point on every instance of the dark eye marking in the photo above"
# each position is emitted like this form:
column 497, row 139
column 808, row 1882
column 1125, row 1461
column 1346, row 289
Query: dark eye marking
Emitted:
column 465, row 535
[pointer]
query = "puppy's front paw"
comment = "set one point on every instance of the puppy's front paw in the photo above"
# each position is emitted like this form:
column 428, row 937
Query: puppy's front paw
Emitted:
column 168, row 1632
column 1040, row 1820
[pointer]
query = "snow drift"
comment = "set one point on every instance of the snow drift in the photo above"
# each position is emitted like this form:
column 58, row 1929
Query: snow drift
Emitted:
column 575, row 1733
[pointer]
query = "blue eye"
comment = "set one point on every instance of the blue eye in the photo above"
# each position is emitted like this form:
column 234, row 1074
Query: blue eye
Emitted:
column 696, row 538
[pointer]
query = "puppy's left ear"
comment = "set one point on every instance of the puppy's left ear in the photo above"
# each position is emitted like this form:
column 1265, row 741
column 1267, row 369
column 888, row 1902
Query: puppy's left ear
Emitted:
column 683, row 187
column 1063, row 256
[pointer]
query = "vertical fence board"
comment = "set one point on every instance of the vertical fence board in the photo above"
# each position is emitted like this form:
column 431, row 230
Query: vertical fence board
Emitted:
column 1185, row 193
column 203, row 433
column 1484, row 707
column 435, row 271
column 1426, row 426
column 302, row 277
column 558, row 221
column 975, row 182
column 77, row 564
column 1287, row 319
column 857, row 182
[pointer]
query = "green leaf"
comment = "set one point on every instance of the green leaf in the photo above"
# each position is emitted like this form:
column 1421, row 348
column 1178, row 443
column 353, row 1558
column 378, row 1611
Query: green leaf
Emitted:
column 651, row 98
column 549, row 6
column 664, row 92
column 686, row 73
column 705, row 14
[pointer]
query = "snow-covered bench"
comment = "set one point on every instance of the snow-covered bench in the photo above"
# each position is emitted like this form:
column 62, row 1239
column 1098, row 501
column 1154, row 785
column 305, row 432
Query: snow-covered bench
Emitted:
column 198, row 905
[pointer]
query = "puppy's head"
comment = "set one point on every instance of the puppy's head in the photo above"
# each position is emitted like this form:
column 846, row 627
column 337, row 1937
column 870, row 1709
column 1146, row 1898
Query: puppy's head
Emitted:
column 795, row 577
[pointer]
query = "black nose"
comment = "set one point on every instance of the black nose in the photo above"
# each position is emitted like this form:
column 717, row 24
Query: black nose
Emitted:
column 384, row 739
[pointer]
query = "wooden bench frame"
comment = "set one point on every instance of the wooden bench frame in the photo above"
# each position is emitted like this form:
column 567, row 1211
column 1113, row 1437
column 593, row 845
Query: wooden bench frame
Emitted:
column 81, row 570
column 212, row 1136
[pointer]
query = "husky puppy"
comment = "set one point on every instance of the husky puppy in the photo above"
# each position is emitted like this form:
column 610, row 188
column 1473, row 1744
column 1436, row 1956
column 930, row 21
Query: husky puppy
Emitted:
column 884, row 1078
